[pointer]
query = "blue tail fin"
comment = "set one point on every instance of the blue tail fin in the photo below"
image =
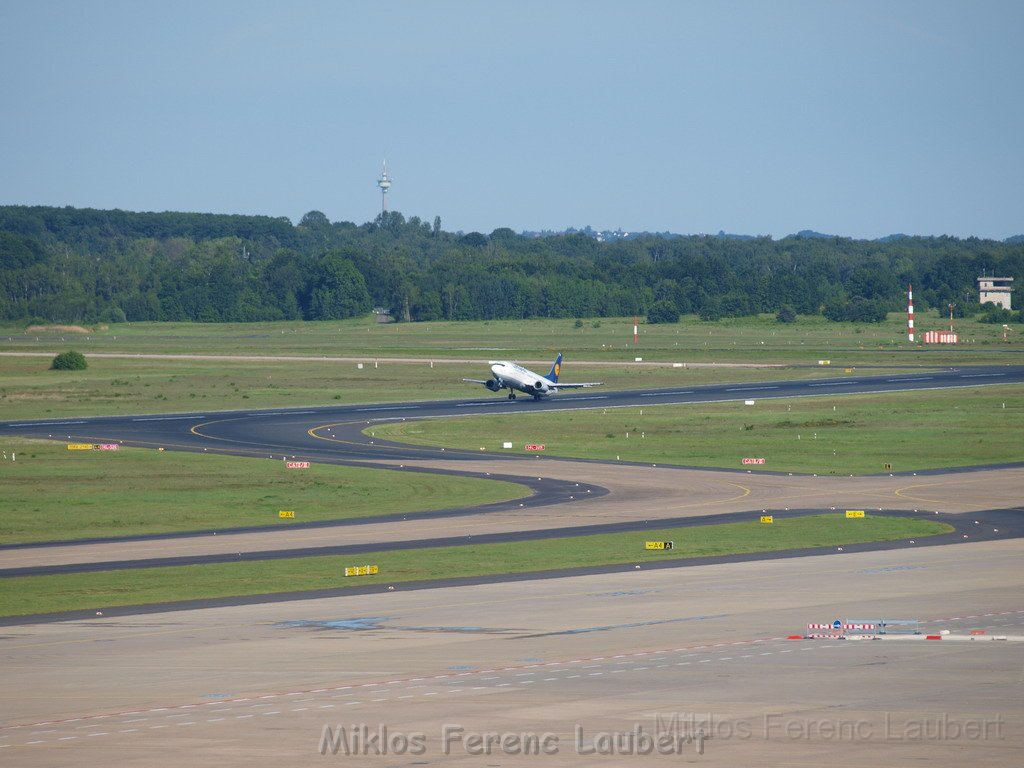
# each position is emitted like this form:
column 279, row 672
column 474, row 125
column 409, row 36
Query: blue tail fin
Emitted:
column 556, row 368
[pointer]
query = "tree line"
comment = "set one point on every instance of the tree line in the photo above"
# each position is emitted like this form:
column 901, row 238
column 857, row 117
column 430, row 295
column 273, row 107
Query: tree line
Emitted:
column 85, row 265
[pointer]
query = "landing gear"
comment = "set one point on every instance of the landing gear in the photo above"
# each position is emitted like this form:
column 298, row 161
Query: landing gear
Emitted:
column 511, row 395
column 536, row 397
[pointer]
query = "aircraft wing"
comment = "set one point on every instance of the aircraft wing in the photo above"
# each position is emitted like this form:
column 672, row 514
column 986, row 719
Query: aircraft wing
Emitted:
column 475, row 381
column 560, row 385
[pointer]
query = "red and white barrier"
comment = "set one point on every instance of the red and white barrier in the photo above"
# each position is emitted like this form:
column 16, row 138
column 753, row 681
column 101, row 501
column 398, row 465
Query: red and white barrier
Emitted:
column 940, row 337
column 910, row 312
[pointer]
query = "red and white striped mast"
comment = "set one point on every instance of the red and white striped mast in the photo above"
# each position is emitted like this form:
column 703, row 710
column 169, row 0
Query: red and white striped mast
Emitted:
column 910, row 312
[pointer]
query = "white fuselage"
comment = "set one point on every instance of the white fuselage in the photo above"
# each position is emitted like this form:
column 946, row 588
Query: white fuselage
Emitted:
column 514, row 376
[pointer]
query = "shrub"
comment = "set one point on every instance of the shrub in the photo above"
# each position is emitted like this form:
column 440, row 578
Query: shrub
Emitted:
column 786, row 314
column 116, row 315
column 663, row 311
column 995, row 314
column 857, row 310
column 69, row 361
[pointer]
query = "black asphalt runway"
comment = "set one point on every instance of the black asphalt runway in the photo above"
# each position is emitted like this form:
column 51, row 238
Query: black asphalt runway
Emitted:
column 334, row 433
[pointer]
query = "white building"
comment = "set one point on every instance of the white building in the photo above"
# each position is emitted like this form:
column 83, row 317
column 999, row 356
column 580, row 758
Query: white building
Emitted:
column 995, row 289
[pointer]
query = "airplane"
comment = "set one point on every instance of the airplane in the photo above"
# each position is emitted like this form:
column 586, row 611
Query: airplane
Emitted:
column 512, row 376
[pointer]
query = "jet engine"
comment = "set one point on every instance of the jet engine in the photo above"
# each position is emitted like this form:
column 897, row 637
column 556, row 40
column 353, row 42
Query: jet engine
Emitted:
column 493, row 384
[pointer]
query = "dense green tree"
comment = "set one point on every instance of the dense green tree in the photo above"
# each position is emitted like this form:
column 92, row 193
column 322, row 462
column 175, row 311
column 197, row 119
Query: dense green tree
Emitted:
column 19, row 252
column 857, row 310
column 66, row 264
column 339, row 290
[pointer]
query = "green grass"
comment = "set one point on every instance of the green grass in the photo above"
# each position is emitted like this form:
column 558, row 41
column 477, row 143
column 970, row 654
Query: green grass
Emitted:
column 737, row 340
column 437, row 356
column 829, row 435
column 50, row 492
column 43, row 594
column 29, row 390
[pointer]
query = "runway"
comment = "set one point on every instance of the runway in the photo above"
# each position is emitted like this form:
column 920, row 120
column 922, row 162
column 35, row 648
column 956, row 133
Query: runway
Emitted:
column 415, row 676
column 304, row 432
column 669, row 651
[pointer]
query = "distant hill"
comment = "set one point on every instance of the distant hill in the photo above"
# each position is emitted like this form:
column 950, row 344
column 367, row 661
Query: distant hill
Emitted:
column 810, row 233
column 612, row 235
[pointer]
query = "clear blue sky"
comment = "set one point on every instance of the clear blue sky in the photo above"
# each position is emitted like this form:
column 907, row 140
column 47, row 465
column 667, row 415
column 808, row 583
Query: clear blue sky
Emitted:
column 859, row 118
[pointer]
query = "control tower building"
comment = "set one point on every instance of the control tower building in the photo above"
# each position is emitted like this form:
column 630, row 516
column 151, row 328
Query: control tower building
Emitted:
column 995, row 289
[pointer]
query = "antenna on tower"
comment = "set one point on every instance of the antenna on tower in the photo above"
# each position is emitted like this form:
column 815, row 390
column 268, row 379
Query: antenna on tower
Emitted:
column 385, row 184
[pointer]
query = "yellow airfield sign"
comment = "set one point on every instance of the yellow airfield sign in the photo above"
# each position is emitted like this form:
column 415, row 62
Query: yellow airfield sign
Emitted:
column 361, row 570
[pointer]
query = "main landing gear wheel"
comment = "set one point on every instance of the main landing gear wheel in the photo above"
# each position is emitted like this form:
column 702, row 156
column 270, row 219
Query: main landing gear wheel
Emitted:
column 511, row 395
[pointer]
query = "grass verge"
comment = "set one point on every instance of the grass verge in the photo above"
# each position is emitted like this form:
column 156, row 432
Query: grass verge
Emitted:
column 118, row 386
column 755, row 339
column 51, row 492
column 45, row 594
column 856, row 434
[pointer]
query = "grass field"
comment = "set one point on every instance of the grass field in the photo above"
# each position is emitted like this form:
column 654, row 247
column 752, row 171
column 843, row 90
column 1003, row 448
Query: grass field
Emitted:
column 42, row 594
column 28, row 389
column 50, row 492
column 434, row 357
column 828, row 435
column 737, row 340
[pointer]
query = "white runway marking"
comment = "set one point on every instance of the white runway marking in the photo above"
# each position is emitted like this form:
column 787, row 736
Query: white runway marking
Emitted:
column 167, row 418
column 47, row 424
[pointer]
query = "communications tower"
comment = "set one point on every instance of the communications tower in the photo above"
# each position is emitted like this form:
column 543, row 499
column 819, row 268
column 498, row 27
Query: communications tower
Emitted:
column 385, row 184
